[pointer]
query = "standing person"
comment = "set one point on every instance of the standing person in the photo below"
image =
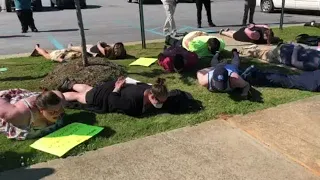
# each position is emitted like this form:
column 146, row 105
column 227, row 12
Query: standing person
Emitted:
column 249, row 5
column 25, row 15
column 169, row 7
column 207, row 5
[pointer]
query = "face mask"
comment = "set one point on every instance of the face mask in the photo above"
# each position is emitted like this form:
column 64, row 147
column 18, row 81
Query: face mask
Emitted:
column 158, row 105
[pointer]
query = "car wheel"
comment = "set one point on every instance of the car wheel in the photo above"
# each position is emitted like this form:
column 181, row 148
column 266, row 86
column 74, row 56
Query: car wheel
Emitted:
column 266, row 6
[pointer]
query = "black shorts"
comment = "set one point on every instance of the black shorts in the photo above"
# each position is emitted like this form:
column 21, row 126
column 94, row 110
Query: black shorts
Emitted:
column 98, row 96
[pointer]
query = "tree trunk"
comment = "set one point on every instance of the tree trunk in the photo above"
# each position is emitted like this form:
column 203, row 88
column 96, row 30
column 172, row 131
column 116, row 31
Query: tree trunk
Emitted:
column 83, row 38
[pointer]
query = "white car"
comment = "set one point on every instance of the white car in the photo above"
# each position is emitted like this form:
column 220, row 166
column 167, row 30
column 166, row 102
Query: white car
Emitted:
column 270, row 5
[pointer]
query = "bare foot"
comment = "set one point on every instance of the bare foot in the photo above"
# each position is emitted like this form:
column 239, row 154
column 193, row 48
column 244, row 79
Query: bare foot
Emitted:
column 35, row 51
column 69, row 46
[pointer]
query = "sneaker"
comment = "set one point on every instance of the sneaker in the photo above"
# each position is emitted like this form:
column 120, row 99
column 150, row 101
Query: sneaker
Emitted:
column 24, row 31
column 34, row 30
column 66, row 85
column 221, row 30
column 167, row 40
column 199, row 26
column 211, row 25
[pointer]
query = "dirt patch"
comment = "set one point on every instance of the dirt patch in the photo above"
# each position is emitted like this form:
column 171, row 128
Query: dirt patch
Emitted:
column 97, row 71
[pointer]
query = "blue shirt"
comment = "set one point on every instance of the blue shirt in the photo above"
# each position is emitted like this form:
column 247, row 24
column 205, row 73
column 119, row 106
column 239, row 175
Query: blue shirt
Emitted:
column 22, row 4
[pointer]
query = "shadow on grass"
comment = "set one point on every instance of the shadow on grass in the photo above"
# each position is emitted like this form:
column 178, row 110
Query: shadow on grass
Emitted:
column 13, row 160
column 23, row 78
column 81, row 117
column 151, row 74
column 254, row 95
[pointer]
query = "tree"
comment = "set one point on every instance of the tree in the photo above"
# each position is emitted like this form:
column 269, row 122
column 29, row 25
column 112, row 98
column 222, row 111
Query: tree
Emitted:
column 83, row 38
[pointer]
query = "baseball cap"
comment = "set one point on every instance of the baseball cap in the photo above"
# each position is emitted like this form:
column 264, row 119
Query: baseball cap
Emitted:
column 219, row 80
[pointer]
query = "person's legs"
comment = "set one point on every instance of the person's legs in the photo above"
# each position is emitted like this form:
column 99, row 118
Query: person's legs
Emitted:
column 173, row 41
column 30, row 20
column 236, row 58
column 199, row 11
column 79, row 95
column 42, row 52
column 173, row 23
column 245, row 14
column 166, row 25
column 22, row 18
column 207, row 5
column 227, row 33
column 252, row 8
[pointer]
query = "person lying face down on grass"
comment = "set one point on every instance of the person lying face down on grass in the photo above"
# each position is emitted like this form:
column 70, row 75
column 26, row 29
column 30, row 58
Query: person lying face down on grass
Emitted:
column 20, row 115
column 293, row 55
column 257, row 34
column 117, row 96
column 101, row 49
column 177, row 59
column 306, row 81
column 203, row 44
column 222, row 77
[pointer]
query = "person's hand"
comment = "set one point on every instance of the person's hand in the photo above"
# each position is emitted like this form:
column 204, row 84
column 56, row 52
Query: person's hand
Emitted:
column 120, row 83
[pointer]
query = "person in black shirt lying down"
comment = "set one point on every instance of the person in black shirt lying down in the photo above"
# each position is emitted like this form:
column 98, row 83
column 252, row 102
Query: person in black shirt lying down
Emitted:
column 117, row 96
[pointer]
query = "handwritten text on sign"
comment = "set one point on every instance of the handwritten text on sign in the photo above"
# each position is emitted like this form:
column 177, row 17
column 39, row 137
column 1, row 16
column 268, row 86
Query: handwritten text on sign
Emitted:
column 60, row 142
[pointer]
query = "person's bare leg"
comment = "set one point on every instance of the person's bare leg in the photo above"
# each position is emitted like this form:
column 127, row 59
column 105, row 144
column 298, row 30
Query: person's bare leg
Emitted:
column 75, row 96
column 81, row 88
column 228, row 33
column 43, row 52
column 75, row 48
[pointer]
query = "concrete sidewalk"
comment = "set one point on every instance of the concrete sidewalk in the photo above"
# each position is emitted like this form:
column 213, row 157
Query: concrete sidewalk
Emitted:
column 274, row 144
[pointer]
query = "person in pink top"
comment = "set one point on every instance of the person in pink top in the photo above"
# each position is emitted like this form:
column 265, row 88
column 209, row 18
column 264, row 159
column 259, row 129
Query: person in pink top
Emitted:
column 257, row 34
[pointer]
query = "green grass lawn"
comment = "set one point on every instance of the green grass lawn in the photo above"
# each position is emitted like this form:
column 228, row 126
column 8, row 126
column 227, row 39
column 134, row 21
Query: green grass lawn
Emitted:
column 27, row 72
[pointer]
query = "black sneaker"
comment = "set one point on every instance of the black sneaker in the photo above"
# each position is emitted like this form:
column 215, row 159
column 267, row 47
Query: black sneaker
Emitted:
column 34, row 30
column 66, row 85
column 211, row 25
column 24, row 31
column 167, row 40
column 199, row 26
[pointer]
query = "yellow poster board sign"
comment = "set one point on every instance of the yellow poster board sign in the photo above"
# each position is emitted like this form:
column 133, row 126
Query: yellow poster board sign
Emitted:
column 143, row 62
column 60, row 142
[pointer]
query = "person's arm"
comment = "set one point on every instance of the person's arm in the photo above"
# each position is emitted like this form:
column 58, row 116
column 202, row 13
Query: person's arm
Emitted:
column 101, row 49
column 237, row 82
column 295, row 61
column 202, row 76
column 254, row 35
column 193, row 36
column 7, row 111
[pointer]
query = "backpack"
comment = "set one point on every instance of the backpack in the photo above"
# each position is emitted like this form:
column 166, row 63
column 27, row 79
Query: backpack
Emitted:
column 308, row 40
column 179, row 102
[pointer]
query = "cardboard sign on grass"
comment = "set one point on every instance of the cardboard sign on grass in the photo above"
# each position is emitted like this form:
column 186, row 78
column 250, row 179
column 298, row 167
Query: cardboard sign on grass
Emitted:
column 60, row 142
column 143, row 62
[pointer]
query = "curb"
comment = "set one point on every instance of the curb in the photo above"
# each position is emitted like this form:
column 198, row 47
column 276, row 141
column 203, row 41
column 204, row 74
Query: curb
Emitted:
column 20, row 55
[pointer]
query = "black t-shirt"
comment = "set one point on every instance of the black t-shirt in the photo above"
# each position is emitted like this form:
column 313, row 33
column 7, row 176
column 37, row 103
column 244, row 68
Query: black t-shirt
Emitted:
column 128, row 101
column 240, row 35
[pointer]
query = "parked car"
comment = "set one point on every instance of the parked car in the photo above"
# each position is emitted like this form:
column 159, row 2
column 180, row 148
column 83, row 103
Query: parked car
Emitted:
column 270, row 5
column 64, row 4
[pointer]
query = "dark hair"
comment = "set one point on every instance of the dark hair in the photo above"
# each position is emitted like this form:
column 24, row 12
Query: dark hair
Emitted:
column 47, row 99
column 213, row 45
column 159, row 89
column 178, row 62
column 270, row 35
column 118, row 51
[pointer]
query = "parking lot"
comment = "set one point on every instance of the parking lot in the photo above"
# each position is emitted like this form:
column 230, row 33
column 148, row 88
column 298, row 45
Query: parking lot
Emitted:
column 117, row 20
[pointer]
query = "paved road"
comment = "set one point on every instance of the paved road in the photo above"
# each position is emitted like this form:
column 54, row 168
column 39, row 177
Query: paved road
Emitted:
column 117, row 20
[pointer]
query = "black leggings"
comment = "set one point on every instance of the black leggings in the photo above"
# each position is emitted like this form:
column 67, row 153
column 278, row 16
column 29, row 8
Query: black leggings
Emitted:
column 26, row 19
column 307, row 81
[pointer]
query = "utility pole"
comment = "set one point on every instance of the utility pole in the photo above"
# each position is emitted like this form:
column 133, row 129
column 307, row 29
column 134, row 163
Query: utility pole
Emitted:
column 83, row 38
column 282, row 14
column 143, row 34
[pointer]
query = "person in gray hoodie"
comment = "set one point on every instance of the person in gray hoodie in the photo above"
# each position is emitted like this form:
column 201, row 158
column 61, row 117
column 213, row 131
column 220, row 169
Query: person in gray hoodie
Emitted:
column 25, row 15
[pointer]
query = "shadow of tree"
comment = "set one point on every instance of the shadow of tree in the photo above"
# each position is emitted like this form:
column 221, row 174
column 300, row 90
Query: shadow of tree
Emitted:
column 23, row 78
